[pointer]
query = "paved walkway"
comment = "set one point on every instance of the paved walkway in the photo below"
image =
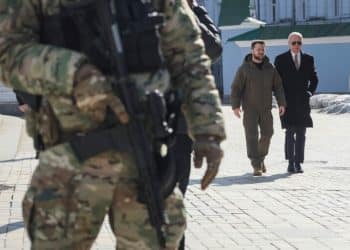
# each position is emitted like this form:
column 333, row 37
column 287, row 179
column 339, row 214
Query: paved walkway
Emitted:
column 276, row 211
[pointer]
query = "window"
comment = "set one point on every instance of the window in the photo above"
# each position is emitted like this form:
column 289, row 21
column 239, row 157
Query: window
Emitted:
column 317, row 10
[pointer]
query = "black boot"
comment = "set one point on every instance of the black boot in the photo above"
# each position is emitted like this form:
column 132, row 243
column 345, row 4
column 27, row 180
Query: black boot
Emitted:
column 182, row 243
column 298, row 168
column 291, row 168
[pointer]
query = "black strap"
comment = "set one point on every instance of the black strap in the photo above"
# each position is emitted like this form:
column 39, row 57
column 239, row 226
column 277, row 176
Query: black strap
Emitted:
column 33, row 101
column 88, row 145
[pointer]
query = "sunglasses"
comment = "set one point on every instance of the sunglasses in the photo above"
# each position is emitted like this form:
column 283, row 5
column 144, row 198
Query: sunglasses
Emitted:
column 296, row 42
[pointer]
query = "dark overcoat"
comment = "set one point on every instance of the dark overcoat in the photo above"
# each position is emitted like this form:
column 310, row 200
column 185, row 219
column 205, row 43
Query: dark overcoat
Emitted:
column 299, row 86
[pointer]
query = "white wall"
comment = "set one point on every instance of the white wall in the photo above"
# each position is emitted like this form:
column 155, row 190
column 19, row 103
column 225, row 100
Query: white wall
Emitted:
column 331, row 59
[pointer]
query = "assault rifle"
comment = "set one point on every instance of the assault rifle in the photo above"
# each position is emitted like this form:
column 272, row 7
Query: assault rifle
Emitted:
column 142, row 146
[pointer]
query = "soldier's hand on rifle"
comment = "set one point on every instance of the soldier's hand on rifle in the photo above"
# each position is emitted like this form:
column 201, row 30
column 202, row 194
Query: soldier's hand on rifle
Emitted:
column 93, row 94
column 207, row 147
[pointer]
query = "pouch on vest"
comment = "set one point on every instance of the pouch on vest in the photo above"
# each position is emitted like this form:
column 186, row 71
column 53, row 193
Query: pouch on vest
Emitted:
column 48, row 126
column 79, row 27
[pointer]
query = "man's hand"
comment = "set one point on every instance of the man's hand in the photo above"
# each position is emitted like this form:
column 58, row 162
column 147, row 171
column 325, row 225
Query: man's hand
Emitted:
column 24, row 108
column 208, row 147
column 93, row 94
column 237, row 112
column 282, row 110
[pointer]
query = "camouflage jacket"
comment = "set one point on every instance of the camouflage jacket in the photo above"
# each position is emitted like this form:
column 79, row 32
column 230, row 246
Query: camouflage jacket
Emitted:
column 46, row 70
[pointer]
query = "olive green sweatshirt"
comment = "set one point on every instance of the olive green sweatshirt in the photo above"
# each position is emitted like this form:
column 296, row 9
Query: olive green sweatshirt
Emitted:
column 253, row 86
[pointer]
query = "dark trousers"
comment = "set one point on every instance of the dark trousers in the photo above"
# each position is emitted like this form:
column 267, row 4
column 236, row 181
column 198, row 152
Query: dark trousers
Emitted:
column 183, row 149
column 257, row 147
column 295, row 144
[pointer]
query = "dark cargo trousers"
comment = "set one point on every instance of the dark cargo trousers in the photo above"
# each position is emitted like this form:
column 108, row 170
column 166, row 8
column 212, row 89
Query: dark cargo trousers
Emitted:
column 257, row 148
column 183, row 149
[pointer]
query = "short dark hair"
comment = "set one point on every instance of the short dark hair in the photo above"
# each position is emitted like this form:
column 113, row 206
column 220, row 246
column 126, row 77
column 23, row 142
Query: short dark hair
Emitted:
column 257, row 42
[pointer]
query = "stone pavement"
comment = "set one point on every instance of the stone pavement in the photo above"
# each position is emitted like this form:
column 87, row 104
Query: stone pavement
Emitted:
column 276, row 211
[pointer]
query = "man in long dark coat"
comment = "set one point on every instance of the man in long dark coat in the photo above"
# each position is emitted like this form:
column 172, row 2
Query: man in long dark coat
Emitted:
column 297, row 70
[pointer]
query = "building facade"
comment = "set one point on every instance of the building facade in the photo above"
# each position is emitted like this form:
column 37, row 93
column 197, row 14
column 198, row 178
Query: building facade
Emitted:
column 325, row 25
column 299, row 11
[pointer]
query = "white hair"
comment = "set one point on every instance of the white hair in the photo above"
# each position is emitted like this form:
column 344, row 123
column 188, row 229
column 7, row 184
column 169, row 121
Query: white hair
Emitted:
column 295, row 34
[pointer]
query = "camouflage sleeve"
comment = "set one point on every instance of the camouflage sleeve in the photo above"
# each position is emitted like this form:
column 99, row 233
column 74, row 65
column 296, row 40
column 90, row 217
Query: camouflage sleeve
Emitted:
column 27, row 65
column 189, row 67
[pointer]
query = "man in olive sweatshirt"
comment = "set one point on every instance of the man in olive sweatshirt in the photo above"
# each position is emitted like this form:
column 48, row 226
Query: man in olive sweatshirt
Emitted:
column 252, row 88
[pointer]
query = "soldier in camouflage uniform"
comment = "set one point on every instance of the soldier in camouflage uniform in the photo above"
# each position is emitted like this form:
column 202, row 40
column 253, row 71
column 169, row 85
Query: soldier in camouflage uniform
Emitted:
column 67, row 200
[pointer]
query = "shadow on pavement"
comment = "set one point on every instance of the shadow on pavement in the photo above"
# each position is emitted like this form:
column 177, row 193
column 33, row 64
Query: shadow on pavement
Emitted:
column 5, row 187
column 247, row 178
column 21, row 159
column 11, row 227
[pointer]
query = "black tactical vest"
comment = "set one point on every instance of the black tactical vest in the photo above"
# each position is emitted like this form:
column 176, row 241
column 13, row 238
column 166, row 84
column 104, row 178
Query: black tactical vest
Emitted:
column 82, row 27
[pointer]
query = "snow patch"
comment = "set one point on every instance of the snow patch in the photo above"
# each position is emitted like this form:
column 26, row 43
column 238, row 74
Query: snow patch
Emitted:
column 331, row 103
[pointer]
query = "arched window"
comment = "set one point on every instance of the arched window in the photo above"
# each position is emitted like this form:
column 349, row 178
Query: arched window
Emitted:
column 344, row 8
column 284, row 10
column 317, row 9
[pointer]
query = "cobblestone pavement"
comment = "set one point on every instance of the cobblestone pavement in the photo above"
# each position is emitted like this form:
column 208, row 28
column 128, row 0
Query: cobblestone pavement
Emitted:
column 239, row 211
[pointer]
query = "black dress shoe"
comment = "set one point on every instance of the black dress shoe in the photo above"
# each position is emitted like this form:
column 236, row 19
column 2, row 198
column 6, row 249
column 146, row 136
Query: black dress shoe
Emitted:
column 291, row 168
column 298, row 168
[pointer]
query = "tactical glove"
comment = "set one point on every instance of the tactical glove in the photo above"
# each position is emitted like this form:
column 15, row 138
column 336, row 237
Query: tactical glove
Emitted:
column 93, row 94
column 208, row 147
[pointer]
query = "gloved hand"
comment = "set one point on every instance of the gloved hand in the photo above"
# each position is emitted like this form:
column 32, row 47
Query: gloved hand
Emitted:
column 208, row 147
column 93, row 94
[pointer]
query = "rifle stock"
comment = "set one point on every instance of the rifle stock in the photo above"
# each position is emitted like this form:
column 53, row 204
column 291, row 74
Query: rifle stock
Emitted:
column 140, row 143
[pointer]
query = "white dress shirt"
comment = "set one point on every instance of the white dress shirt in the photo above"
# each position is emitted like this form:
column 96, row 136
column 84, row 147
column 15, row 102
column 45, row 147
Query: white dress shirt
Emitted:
column 298, row 57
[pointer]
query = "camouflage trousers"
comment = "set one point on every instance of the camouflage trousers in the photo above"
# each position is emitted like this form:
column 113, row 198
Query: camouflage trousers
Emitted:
column 67, row 201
